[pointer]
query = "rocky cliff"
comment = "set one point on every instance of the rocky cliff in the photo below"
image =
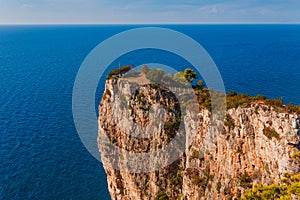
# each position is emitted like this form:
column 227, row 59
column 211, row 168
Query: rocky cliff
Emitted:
column 256, row 144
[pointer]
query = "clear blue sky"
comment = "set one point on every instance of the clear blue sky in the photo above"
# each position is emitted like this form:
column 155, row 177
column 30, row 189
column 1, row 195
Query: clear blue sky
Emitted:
column 148, row 11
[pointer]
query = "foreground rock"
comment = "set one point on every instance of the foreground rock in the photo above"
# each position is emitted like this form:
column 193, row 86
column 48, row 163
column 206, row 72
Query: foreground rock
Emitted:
column 256, row 144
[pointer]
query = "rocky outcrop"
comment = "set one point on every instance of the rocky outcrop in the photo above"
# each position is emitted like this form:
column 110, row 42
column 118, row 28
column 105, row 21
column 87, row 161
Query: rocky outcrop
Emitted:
column 255, row 144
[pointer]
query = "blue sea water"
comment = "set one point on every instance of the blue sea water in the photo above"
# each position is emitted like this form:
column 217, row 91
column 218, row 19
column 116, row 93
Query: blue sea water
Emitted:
column 41, row 154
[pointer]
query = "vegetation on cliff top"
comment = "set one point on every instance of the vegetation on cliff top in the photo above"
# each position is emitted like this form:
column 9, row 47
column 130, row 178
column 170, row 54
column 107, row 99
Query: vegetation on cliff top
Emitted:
column 188, row 77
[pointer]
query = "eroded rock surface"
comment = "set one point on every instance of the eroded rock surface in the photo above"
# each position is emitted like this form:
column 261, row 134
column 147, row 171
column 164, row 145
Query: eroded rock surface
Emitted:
column 255, row 145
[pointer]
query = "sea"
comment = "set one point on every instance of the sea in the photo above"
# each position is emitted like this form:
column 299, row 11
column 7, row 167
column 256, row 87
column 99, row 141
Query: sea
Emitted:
column 41, row 154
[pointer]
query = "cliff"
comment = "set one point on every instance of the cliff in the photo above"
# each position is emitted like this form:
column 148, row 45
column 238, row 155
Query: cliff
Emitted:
column 256, row 144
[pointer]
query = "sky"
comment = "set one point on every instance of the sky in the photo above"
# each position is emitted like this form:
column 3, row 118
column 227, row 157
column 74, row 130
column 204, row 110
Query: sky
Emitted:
column 149, row 11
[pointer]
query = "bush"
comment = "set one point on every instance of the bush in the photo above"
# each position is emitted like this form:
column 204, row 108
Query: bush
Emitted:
column 245, row 180
column 199, row 181
column 171, row 127
column 195, row 154
column 199, row 86
column 293, row 109
column 177, row 180
column 260, row 97
column 275, row 191
column 275, row 102
column 270, row 133
column 161, row 195
column 229, row 122
column 140, row 97
column 235, row 100
column 231, row 94
column 204, row 99
column 296, row 156
column 218, row 186
column 190, row 75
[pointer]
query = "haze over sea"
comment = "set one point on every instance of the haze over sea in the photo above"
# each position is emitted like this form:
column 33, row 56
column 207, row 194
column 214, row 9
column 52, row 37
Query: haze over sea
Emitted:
column 42, row 156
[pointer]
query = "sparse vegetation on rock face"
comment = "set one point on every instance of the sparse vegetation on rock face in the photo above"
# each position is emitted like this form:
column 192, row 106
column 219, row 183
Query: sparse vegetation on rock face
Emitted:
column 214, row 166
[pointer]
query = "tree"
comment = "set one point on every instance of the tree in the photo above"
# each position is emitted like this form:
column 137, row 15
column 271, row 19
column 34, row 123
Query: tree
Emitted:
column 190, row 75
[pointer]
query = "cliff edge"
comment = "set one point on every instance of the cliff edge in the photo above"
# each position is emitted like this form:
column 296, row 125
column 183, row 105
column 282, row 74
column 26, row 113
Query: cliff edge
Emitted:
column 256, row 144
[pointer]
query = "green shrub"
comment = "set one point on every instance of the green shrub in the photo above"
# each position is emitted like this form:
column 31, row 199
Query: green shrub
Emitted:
column 275, row 191
column 260, row 97
column 235, row 100
column 161, row 195
column 177, row 180
column 240, row 151
column 171, row 127
column 180, row 197
column 199, row 181
column 292, row 108
column 196, row 154
column 199, row 86
column 190, row 75
column 275, row 102
column 296, row 156
column 218, row 186
column 270, row 133
column 157, row 165
column 229, row 122
column 245, row 180
column 231, row 94
column 204, row 99
column 140, row 97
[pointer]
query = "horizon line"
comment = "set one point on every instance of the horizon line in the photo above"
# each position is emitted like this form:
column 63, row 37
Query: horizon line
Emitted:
column 233, row 23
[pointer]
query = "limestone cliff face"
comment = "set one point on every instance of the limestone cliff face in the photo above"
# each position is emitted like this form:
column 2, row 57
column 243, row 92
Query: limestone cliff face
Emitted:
column 255, row 145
